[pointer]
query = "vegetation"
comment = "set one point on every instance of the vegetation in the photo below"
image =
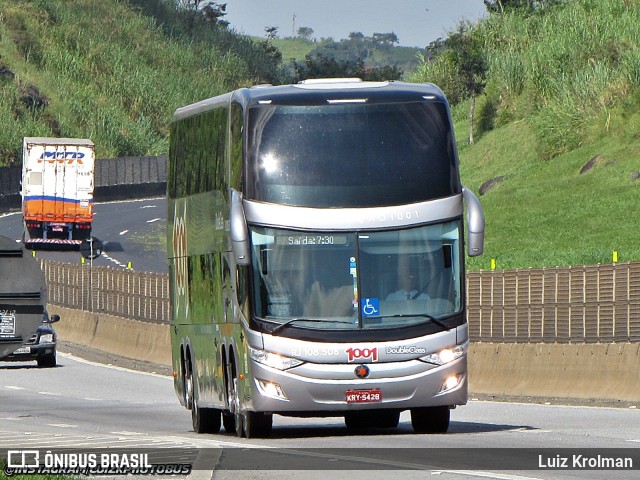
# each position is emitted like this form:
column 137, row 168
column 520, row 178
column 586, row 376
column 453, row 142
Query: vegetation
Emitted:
column 114, row 71
column 562, row 89
column 555, row 85
column 375, row 57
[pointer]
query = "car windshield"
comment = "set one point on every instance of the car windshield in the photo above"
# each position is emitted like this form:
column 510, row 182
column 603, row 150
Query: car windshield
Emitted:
column 348, row 280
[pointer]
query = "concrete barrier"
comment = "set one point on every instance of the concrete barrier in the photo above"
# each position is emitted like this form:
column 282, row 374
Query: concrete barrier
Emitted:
column 579, row 371
column 120, row 336
column 583, row 371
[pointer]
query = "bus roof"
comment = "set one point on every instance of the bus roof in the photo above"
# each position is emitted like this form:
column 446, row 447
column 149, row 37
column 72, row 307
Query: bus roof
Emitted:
column 319, row 92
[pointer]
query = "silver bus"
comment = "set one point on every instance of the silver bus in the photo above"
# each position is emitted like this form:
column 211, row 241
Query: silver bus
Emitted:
column 316, row 258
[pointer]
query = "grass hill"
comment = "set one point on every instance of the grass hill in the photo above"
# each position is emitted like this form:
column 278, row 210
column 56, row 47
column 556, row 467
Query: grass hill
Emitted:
column 112, row 70
column 562, row 92
column 562, row 95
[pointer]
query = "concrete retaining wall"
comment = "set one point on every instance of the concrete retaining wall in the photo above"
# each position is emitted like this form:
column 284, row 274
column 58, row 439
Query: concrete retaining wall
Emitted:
column 593, row 371
column 121, row 336
column 584, row 371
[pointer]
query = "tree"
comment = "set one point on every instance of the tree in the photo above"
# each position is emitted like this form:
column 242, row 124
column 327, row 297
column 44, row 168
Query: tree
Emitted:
column 272, row 32
column 321, row 66
column 463, row 51
column 305, row 33
column 502, row 6
column 213, row 12
column 385, row 39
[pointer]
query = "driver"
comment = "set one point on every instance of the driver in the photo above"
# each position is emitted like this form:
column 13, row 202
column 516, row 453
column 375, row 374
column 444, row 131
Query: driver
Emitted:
column 408, row 282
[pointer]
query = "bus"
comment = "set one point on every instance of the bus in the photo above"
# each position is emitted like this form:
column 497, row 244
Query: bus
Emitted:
column 316, row 256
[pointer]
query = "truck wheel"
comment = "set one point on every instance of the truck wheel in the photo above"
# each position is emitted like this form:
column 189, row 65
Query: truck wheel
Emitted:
column 47, row 362
column 430, row 419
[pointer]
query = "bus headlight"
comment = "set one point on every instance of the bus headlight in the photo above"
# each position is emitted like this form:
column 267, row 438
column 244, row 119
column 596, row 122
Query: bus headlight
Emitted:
column 273, row 360
column 446, row 355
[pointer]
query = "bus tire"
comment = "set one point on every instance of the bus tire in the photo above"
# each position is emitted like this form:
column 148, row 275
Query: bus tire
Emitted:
column 238, row 419
column 257, row 424
column 187, row 382
column 430, row 419
column 229, row 422
column 205, row 420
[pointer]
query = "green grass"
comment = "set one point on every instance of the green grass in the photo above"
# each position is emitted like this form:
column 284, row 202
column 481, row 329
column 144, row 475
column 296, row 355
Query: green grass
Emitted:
column 563, row 86
column 294, row 48
column 545, row 213
column 108, row 72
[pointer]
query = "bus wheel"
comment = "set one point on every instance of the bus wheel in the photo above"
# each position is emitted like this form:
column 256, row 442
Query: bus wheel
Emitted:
column 430, row 419
column 229, row 422
column 235, row 408
column 205, row 420
column 188, row 387
column 257, row 424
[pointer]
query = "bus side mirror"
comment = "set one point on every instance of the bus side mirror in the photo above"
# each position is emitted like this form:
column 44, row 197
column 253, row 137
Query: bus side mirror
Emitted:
column 238, row 230
column 475, row 220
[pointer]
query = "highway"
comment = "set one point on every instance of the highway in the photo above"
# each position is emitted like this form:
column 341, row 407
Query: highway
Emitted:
column 81, row 404
column 131, row 231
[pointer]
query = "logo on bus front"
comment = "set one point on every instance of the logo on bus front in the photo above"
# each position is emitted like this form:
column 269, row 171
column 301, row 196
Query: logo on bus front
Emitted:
column 360, row 354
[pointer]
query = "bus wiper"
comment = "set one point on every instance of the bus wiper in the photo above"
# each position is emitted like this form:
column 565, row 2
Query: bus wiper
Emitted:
column 435, row 320
column 284, row 325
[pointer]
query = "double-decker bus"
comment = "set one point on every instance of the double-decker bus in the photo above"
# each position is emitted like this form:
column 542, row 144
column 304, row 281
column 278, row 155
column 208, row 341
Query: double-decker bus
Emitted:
column 316, row 258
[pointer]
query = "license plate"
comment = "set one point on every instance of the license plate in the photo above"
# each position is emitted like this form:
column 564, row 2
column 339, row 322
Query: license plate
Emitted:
column 7, row 324
column 22, row 350
column 363, row 396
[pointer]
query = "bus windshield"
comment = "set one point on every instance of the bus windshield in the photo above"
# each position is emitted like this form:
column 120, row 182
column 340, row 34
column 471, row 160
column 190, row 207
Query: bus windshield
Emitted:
column 348, row 280
column 351, row 155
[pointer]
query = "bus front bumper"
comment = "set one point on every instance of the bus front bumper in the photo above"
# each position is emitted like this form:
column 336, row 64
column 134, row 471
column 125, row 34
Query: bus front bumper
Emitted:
column 336, row 388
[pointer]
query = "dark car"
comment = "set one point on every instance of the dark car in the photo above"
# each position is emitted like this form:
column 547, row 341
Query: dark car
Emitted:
column 41, row 347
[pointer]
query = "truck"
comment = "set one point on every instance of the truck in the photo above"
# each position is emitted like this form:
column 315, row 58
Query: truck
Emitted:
column 23, row 297
column 57, row 190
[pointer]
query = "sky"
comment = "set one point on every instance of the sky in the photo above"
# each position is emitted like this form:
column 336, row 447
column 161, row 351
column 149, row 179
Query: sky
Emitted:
column 415, row 22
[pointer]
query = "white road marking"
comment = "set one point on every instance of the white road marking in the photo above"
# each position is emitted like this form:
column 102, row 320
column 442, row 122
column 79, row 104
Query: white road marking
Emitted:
column 117, row 262
column 471, row 473
column 8, row 214
column 154, row 220
column 13, row 387
column 62, row 425
column 113, row 367
column 149, row 206
column 123, row 232
column 51, row 394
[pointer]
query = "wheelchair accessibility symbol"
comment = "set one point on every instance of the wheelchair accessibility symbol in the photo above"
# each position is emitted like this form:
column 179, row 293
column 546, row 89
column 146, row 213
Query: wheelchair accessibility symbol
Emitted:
column 370, row 307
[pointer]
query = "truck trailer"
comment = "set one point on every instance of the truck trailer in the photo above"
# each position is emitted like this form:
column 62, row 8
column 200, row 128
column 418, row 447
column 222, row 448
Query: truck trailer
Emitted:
column 57, row 190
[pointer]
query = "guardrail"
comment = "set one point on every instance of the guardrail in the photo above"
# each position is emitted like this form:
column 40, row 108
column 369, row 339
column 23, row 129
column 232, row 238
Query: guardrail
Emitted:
column 123, row 293
column 599, row 303
column 584, row 304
